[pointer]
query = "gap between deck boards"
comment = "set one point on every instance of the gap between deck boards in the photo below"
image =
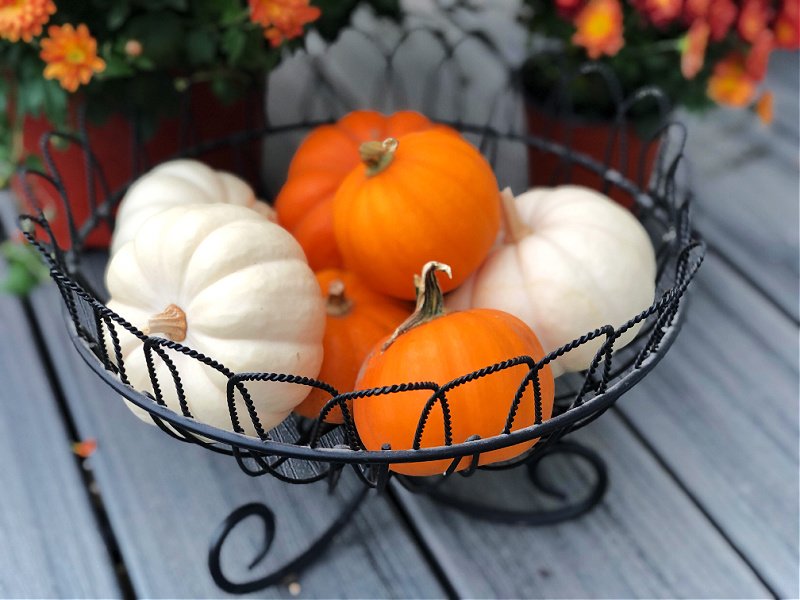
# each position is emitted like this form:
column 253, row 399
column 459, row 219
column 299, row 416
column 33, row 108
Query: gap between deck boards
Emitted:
column 93, row 492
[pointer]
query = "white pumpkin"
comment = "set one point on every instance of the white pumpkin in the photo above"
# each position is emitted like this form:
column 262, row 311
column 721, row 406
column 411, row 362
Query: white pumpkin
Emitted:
column 180, row 183
column 221, row 280
column 573, row 260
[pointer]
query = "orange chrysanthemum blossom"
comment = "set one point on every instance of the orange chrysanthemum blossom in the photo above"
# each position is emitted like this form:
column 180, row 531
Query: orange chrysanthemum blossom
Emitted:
column 24, row 19
column 765, row 108
column 753, row 19
column 71, row 56
column 599, row 28
column 730, row 84
column 660, row 12
column 787, row 26
column 693, row 54
column 282, row 19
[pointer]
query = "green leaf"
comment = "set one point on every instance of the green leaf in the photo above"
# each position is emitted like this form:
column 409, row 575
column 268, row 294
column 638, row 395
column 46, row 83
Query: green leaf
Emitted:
column 18, row 281
column 55, row 103
column 161, row 35
column 201, row 47
column 233, row 43
column 116, row 67
column 116, row 15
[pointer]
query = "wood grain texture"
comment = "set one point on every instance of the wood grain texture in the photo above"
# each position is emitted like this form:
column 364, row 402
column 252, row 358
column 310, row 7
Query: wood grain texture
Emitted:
column 722, row 412
column 747, row 180
column 50, row 544
column 165, row 499
column 646, row 539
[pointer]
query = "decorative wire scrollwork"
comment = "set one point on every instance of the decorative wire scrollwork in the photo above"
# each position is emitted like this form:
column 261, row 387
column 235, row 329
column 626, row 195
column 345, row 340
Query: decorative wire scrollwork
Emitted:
column 289, row 570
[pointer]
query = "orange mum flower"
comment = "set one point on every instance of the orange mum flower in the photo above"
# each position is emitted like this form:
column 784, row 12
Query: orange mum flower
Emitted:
column 599, row 28
column 693, row 55
column 23, row 19
column 787, row 26
column 730, row 84
column 753, row 19
column 765, row 108
column 282, row 19
column 71, row 56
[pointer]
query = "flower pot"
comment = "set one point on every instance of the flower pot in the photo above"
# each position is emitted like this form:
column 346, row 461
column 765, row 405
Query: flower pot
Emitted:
column 619, row 148
column 122, row 155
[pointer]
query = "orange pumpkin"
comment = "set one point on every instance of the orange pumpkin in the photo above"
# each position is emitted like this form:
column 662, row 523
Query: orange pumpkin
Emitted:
column 436, row 346
column 424, row 194
column 323, row 160
column 357, row 319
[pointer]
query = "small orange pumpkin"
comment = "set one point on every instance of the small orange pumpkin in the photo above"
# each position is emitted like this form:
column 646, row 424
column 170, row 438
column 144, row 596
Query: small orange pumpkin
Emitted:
column 424, row 194
column 357, row 319
column 323, row 160
column 436, row 346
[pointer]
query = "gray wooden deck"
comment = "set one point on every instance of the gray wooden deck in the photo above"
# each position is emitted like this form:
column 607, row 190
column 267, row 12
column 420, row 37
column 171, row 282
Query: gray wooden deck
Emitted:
column 703, row 455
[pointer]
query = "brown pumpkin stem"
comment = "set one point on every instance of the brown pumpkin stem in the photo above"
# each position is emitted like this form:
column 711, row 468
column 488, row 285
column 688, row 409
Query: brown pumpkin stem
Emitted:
column 430, row 300
column 516, row 230
column 378, row 155
column 171, row 322
column 338, row 304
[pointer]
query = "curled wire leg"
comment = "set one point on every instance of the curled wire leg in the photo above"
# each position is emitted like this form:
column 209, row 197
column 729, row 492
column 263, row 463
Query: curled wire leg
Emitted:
column 566, row 510
column 293, row 567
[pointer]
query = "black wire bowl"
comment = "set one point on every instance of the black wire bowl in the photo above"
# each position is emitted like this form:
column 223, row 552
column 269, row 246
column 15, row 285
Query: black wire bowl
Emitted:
column 303, row 451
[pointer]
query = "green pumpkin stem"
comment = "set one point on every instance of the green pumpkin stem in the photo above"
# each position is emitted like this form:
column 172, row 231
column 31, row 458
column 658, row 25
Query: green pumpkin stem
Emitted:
column 430, row 300
column 378, row 155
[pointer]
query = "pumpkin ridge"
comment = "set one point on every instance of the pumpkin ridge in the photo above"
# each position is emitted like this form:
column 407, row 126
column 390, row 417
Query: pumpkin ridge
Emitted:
column 578, row 265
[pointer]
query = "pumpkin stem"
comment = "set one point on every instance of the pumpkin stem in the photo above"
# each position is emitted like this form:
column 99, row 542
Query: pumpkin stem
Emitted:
column 378, row 155
column 516, row 230
column 338, row 304
column 171, row 322
column 430, row 300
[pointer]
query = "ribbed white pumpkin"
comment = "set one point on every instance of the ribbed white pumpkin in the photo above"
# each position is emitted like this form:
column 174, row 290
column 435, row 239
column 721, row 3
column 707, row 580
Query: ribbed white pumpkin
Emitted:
column 572, row 261
column 180, row 183
column 221, row 280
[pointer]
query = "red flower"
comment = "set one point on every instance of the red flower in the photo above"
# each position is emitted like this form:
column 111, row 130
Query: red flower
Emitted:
column 599, row 28
column 721, row 15
column 730, row 84
column 282, row 19
column 787, row 26
column 695, row 9
column 568, row 8
column 660, row 12
column 754, row 18
column 693, row 55
column 758, row 57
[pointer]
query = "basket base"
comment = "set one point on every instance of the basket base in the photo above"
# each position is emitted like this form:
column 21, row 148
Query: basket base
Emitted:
column 565, row 509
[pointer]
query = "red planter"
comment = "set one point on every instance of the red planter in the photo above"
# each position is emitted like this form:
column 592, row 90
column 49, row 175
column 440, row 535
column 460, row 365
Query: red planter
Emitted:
column 631, row 155
column 122, row 159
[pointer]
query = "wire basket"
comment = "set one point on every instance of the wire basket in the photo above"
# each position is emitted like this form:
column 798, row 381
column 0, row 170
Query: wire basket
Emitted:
column 304, row 451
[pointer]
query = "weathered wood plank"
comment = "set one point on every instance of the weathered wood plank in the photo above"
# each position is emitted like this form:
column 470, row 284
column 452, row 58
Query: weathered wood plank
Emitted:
column 646, row 539
column 747, row 181
column 51, row 544
column 165, row 499
column 722, row 412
